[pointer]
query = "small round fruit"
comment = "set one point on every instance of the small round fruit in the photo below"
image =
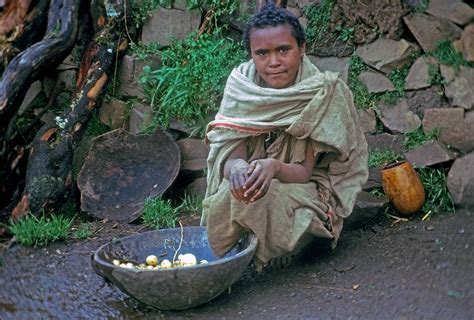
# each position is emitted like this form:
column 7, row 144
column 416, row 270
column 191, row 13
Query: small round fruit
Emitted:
column 203, row 261
column 116, row 262
column 152, row 260
column 166, row 264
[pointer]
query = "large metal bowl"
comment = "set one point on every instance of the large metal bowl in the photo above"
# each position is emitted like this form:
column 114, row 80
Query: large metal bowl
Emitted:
column 177, row 288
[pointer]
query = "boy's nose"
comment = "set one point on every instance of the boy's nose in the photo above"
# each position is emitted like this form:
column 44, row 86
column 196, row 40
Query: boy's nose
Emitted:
column 274, row 60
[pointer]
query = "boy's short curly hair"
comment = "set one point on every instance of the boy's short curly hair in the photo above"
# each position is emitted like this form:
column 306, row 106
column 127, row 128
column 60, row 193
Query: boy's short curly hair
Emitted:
column 271, row 16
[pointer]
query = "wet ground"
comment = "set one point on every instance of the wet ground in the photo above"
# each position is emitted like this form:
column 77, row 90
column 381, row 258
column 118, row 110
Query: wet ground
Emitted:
column 412, row 270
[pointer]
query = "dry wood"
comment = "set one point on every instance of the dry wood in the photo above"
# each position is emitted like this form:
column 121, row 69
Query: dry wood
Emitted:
column 49, row 174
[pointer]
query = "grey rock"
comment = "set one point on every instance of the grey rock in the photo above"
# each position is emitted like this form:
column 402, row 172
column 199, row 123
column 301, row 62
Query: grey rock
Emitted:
column 450, row 122
column 374, row 180
column 428, row 30
column 375, row 82
column 448, row 73
column 431, row 97
column 67, row 78
column 113, row 114
column 167, row 24
column 197, row 188
column 368, row 120
column 453, row 10
column 467, row 42
column 129, row 74
column 459, row 90
column 334, row 64
column 398, row 118
column 428, row 154
column 386, row 54
column 468, row 125
column 461, row 181
column 31, row 94
column 141, row 117
column 385, row 141
column 194, row 154
column 419, row 75
column 68, row 63
column 367, row 207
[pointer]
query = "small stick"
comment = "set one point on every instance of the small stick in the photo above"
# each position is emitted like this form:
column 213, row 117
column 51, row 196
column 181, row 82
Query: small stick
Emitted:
column 180, row 241
column 426, row 216
column 397, row 218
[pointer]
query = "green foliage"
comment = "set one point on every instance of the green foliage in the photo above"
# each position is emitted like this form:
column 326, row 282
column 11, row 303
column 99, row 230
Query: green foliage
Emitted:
column 345, row 34
column 362, row 98
column 446, row 54
column 141, row 9
column 435, row 76
column 84, row 231
column 318, row 16
column 158, row 213
column 142, row 51
column 438, row 197
column 31, row 231
column 418, row 137
column 380, row 158
column 192, row 78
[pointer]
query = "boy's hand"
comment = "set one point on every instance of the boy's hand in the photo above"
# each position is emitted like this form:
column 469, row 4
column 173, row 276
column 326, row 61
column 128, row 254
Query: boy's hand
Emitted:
column 237, row 177
column 261, row 173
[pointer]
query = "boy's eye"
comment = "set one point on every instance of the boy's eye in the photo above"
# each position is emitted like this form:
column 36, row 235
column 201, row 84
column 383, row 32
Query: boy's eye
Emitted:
column 283, row 50
column 261, row 53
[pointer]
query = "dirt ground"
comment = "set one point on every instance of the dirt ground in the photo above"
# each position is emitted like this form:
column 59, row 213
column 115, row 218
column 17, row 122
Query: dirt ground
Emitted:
column 412, row 270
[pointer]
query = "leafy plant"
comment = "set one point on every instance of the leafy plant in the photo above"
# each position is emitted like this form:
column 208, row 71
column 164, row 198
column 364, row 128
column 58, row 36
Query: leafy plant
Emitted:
column 159, row 213
column 345, row 34
column 438, row 197
column 190, row 82
column 379, row 158
column 318, row 17
column 33, row 231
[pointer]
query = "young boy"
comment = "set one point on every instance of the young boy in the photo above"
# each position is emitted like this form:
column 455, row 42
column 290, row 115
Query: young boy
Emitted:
column 287, row 155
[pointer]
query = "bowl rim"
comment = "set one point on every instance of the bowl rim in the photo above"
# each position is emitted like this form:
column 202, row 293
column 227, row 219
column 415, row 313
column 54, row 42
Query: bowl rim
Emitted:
column 251, row 247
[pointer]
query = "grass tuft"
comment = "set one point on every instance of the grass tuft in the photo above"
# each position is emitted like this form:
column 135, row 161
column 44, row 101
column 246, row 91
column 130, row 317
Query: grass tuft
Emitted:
column 33, row 231
column 380, row 158
column 438, row 197
column 159, row 213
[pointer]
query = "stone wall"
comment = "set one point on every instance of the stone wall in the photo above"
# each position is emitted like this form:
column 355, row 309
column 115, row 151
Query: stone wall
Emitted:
column 401, row 32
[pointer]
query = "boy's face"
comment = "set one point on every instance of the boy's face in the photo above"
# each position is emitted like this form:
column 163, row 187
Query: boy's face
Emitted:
column 276, row 54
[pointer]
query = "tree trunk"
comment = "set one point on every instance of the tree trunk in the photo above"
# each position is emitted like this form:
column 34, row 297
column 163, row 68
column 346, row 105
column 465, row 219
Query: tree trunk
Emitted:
column 49, row 174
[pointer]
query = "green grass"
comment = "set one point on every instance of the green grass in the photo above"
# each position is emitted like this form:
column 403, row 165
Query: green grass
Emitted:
column 33, row 231
column 437, row 194
column 418, row 137
column 380, row 158
column 446, row 54
column 95, row 127
column 191, row 204
column 159, row 213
